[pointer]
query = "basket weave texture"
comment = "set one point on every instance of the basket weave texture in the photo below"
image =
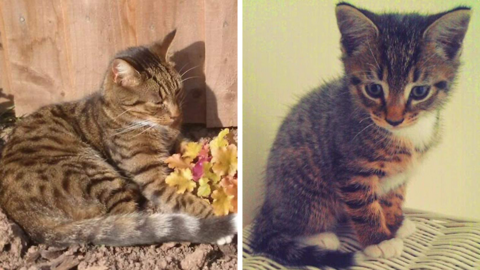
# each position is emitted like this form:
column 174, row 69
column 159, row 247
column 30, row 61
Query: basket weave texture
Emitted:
column 439, row 243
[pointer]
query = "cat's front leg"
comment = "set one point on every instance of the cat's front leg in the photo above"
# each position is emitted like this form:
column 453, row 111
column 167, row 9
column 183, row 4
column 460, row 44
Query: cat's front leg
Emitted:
column 180, row 144
column 367, row 217
column 145, row 163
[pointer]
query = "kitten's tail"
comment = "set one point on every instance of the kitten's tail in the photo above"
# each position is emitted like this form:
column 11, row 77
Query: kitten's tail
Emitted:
column 143, row 229
column 289, row 252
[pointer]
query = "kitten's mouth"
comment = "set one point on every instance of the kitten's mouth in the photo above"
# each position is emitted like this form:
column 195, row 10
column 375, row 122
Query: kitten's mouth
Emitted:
column 383, row 124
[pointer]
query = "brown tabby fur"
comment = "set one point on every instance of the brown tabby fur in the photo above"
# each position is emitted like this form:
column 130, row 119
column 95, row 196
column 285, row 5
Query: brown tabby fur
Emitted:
column 337, row 157
column 82, row 171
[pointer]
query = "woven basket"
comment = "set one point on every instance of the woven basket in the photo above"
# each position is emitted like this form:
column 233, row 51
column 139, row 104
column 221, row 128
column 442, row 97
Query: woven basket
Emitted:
column 439, row 243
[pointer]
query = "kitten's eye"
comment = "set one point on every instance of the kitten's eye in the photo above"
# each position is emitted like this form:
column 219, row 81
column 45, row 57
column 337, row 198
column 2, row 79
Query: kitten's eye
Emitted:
column 374, row 90
column 420, row 92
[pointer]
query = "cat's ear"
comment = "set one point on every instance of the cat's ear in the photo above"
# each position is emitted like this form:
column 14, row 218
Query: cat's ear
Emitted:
column 161, row 48
column 356, row 28
column 124, row 74
column 447, row 31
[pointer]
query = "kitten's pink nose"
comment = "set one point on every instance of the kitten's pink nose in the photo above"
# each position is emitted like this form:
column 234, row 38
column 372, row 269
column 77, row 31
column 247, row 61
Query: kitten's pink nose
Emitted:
column 395, row 115
column 395, row 123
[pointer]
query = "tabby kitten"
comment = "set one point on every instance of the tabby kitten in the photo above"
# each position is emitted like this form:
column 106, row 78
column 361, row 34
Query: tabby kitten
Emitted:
column 345, row 152
column 81, row 172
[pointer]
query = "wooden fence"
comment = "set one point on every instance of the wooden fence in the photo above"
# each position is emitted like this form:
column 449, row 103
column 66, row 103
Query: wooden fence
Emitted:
column 58, row 50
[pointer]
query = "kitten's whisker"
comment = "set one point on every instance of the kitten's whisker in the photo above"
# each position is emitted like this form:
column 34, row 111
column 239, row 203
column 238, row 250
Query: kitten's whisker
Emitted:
column 362, row 131
column 374, row 58
column 368, row 117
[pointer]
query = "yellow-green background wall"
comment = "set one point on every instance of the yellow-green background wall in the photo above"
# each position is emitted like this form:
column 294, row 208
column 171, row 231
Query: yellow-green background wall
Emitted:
column 290, row 47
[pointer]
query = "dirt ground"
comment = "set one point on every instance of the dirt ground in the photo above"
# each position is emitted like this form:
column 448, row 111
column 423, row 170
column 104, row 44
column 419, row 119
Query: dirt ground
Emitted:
column 17, row 252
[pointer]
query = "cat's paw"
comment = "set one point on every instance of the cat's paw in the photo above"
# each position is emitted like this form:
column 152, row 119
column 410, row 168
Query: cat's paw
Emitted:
column 325, row 240
column 225, row 240
column 234, row 223
column 386, row 249
column 408, row 228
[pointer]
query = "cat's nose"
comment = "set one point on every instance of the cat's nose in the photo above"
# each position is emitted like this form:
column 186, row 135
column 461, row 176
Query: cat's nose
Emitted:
column 175, row 116
column 395, row 123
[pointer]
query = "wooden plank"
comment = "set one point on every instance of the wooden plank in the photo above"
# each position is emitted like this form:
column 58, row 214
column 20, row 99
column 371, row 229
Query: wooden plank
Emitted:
column 6, row 99
column 36, row 52
column 95, row 32
column 155, row 19
column 221, row 65
column 58, row 50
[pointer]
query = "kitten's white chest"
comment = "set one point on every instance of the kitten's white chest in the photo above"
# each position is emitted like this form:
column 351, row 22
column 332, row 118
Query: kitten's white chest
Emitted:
column 420, row 134
column 390, row 183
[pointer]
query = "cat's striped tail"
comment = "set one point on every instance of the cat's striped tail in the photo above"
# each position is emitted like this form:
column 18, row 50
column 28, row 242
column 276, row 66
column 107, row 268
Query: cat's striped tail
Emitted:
column 142, row 229
column 286, row 250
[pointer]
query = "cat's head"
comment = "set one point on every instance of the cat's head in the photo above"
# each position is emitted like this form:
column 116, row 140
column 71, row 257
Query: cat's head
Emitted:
column 143, row 82
column 400, row 67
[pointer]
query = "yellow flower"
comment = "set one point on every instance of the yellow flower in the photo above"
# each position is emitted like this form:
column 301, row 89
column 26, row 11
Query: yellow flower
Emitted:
column 192, row 149
column 204, row 188
column 219, row 141
column 230, row 185
column 225, row 161
column 207, row 172
column 222, row 203
column 176, row 161
column 182, row 180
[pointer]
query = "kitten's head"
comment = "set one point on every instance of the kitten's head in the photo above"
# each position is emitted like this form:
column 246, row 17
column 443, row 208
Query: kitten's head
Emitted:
column 145, row 85
column 400, row 66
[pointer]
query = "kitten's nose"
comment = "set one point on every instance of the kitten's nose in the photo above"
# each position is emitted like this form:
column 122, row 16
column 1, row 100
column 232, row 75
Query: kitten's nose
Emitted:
column 395, row 123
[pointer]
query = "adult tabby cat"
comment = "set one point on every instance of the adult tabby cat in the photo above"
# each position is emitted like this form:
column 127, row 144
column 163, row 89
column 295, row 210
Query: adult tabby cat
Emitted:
column 346, row 150
column 81, row 171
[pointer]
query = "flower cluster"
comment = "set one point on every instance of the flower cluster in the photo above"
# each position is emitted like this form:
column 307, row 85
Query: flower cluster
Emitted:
column 209, row 170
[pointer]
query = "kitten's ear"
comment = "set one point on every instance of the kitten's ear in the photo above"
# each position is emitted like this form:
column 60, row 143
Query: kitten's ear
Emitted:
column 447, row 31
column 124, row 74
column 356, row 28
column 161, row 48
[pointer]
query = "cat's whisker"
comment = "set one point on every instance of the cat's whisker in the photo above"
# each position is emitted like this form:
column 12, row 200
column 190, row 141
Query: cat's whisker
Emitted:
column 130, row 128
column 189, row 70
column 152, row 126
column 180, row 71
column 193, row 77
column 125, row 111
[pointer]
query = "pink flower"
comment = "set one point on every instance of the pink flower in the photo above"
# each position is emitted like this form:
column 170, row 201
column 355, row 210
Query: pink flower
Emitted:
column 197, row 170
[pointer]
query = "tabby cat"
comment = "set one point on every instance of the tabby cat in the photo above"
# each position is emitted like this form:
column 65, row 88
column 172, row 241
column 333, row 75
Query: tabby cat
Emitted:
column 82, row 172
column 345, row 152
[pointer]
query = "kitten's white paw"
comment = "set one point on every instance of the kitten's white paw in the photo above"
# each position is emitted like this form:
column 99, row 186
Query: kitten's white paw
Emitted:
column 386, row 249
column 359, row 257
column 408, row 228
column 225, row 240
column 325, row 240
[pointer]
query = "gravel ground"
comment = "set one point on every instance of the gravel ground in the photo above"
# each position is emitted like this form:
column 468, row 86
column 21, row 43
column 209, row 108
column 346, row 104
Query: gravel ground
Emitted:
column 17, row 252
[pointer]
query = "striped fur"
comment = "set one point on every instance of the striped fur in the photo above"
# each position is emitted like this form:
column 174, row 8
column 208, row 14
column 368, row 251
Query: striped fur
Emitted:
column 82, row 171
column 337, row 156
